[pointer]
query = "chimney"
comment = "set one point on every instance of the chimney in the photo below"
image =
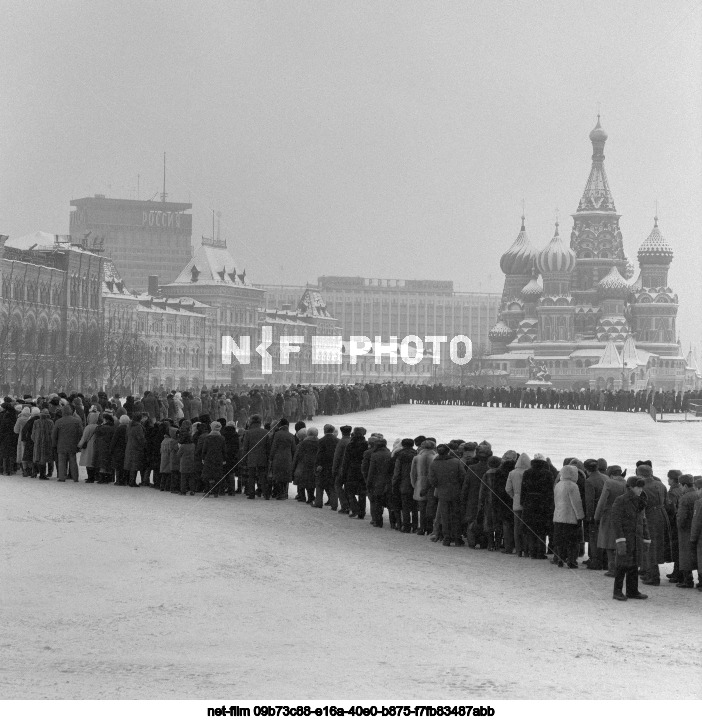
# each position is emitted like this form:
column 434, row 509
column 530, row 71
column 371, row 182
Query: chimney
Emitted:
column 153, row 286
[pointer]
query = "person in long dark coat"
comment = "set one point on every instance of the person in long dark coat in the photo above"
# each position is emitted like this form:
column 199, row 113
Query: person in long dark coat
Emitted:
column 231, row 440
column 324, row 480
column 502, row 501
column 135, row 452
column 470, row 495
column 351, row 475
column 8, row 437
column 687, row 561
column 402, row 483
column 304, row 466
column 614, row 486
column 537, row 505
column 629, row 522
column 214, row 449
column 379, row 479
column 281, row 456
column 102, row 455
column 28, row 443
column 43, row 451
column 654, row 494
column 118, row 449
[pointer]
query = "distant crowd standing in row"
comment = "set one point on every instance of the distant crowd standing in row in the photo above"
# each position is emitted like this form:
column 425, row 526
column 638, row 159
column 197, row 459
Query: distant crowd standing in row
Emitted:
column 550, row 397
column 459, row 493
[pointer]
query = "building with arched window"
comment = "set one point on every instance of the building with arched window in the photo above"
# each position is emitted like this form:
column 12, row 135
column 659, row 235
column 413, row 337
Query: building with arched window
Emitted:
column 50, row 314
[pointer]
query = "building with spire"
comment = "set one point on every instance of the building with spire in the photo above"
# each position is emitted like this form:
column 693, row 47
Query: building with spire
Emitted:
column 572, row 311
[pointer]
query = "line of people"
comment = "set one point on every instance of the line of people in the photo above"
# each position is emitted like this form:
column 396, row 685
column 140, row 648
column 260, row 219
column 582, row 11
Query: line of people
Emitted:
column 457, row 492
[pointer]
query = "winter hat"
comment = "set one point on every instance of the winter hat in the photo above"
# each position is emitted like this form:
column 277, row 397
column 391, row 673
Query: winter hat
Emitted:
column 329, row 428
column 601, row 465
column 345, row 430
column 644, row 463
column 539, row 457
column 124, row 420
column 686, row 479
column 431, row 445
column 359, row 431
column 644, row 471
column 569, row 473
column 442, row 449
column 215, row 427
column 674, row 475
column 510, row 456
column 22, row 410
column 577, row 463
column 419, row 440
column 494, row 462
column 231, row 424
column 313, row 432
column 635, row 482
column 44, row 413
column 590, row 465
column 34, row 411
column 407, row 443
column 470, row 446
column 614, row 471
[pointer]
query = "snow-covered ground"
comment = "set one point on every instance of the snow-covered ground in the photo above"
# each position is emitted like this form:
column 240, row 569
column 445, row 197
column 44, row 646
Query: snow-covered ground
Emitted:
column 111, row 592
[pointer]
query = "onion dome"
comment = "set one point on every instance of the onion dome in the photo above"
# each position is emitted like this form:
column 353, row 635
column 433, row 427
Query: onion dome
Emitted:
column 655, row 248
column 501, row 333
column 520, row 256
column 598, row 134
column 613, row 285
column 556, row 257
column 533, row 290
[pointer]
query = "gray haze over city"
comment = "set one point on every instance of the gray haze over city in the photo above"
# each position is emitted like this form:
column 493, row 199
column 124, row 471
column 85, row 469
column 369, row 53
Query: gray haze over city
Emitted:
column 393, row 140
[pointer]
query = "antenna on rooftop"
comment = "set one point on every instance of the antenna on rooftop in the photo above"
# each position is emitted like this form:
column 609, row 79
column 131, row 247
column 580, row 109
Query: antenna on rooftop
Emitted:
column 163, row 194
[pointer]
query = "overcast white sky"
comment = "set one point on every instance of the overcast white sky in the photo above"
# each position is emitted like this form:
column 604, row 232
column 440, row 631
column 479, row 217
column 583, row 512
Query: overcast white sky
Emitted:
column 387, row 139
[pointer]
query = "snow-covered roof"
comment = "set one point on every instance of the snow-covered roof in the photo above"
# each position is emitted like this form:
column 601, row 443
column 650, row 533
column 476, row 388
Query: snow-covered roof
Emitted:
column 41, row 240
column 212, row 264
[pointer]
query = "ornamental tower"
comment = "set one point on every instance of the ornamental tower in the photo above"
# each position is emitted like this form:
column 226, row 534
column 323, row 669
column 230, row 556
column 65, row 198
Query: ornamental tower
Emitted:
column 655, row 305
column 596, row 238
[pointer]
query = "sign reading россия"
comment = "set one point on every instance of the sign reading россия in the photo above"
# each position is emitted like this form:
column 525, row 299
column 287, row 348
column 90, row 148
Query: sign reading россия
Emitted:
column 330, row 349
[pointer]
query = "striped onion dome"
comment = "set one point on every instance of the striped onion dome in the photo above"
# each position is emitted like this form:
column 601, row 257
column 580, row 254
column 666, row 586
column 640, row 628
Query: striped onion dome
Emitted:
column 519, row 257
column 655, row 247
column 533, row 290
column 613, row 285
column 556, row 257
column 501, row 332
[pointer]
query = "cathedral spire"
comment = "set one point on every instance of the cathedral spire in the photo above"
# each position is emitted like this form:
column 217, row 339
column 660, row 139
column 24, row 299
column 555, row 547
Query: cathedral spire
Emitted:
column 597, row 195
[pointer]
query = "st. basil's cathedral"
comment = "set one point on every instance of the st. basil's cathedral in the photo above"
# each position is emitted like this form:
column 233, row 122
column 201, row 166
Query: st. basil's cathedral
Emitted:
column 571, row 317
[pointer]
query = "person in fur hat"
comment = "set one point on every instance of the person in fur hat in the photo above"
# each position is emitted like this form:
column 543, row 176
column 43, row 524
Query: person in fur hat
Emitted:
column 629, row 522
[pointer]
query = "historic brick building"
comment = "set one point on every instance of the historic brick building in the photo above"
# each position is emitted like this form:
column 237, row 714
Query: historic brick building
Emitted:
column 50, row 314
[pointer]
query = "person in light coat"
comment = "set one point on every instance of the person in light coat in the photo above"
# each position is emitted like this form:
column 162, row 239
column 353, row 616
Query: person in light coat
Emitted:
column 514, row 490
column 419, row 478
column 567, row 514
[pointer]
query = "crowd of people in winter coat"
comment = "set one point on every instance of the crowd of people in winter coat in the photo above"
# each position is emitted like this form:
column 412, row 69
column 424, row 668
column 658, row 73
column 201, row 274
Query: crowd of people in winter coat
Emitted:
column 458, row 493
